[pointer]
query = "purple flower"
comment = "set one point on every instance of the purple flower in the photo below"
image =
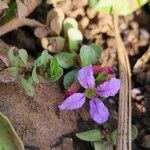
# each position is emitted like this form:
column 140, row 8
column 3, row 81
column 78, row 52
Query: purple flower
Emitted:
column 98, row 111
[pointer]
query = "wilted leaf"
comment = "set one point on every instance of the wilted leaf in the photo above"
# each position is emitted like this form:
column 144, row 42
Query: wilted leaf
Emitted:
column 122, row 7
column 34, row 75
column 87, row 55
column 91, row 135
column 9, row 139
column 66, row 60
column 102, row 145
column 69, row 78
column 55, row 19
column 6, row 76
column 75, row 39
column 53, row 44
column 23, row 55
column 27, row 85
column 4, row 60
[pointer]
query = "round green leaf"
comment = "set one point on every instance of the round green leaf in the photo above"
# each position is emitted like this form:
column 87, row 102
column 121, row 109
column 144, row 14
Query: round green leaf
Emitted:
column 134, row 132
column 97, row 50
column 69, row 78
column 66, row 60
column 75, row 39
column 87, row 55
column 91, row 135
column 23, row 55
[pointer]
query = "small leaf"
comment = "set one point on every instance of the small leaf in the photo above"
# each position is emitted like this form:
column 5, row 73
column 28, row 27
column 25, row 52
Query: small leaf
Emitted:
column 23, row 55
column 56, row 76
column 66, row 60
column 54, row 71
column 102, row 145
column 13, row 71
column 87, row 55
column 11, row 55
column 34, row 75
column 45, row 58
column 69, row 23
column 9, row 139
column 134, row 132
column 91, row 135
column 27, row 85
column 11, row 11
column 69, row 78
column 75, row 39
column 97, row 50
column 100, row 78
column 114, row 135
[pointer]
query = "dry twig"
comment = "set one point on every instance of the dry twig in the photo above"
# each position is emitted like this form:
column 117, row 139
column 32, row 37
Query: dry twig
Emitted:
column 124, row 117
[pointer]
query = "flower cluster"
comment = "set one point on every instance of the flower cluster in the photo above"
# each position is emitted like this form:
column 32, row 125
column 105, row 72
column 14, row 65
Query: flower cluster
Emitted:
column 98, row 111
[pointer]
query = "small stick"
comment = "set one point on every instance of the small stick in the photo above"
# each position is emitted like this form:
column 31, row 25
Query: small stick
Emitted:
column 19, row 22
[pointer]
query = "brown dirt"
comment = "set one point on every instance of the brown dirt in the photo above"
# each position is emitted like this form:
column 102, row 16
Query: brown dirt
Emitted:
column 37, row 120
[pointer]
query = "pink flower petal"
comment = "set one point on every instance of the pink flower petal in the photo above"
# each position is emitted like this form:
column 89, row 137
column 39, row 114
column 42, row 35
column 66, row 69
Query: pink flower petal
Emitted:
column 74, row 101
column 86, row 78
column 98, row 111
column 109, row 88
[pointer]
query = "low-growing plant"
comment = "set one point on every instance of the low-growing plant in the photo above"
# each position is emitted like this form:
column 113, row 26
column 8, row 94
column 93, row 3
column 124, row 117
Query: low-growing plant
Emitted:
column 99, row 141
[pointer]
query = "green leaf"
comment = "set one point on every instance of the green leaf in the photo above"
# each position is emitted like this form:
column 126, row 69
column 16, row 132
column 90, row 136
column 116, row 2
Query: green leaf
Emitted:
column 69, row 78
column 69, row 23
column 100, row 78
column 12, row 70
column 91, row 135
column 87, row 55
column 75, row 39
column 102, row 145
column 66, row 60
column 114, row 135
column 14, row 60
column 45, row 58
column 11, row 11
column 56, row 76
column 23, row 55
column 97, row 50
column 34, row 75
column 124, row 7
column 9, row 139
column 134, row 132
column 27, row 85
column 54, row 71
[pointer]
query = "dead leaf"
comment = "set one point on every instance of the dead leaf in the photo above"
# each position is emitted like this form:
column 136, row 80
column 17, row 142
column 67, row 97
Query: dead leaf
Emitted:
column 4, row 60
column 41, row 32
column 53, row 44
column 55, row 19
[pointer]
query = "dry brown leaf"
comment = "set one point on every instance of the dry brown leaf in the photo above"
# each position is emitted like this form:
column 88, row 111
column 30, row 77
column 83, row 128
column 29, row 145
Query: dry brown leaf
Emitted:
column 55, row 19
column 4, row 60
